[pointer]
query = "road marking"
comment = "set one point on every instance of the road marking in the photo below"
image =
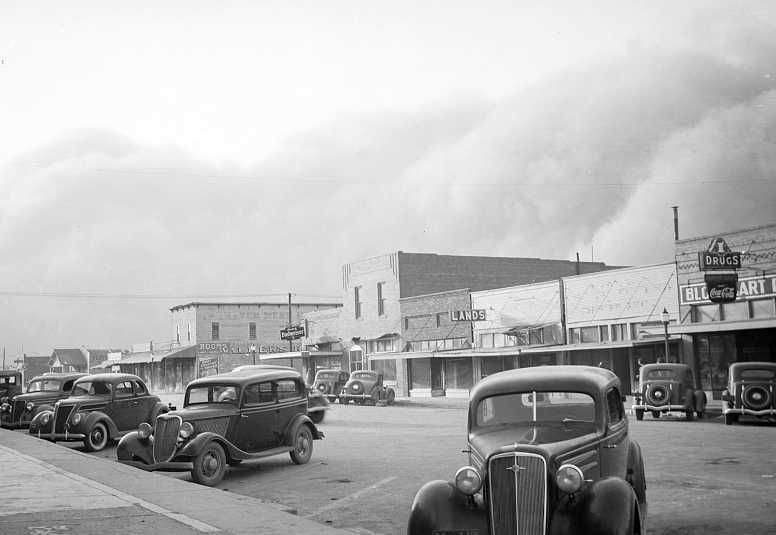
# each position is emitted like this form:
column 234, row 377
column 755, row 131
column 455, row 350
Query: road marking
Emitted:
column 351, row 497
column 128, row 498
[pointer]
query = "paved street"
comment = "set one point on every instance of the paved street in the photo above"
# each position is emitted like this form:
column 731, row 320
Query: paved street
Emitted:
column 703, row 477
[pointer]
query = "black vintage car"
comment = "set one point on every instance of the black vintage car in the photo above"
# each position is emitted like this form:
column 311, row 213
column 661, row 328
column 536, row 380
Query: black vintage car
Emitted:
column 665, row 388
column 100, row 408
column 330, row 382
column 42, row 392
column 366, row 387
column 10, row 384
column 751, row 391
column 226, row 419
column 549, row 453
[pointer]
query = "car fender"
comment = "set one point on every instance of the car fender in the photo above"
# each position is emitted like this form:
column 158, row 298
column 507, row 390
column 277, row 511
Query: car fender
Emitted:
column 131, row 446
column 37, row 409
column 439, row 506
column 36, row 425
column 608, row 506
column 91, row 418
column 293, row 425
column 700, row 400
column 194, row 447
column 635, row 475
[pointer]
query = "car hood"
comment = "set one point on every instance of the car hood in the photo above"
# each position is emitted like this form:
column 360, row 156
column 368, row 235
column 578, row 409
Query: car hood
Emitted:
column 550, row 440
column 200, row 412
column 81, row 400
column 39, row 397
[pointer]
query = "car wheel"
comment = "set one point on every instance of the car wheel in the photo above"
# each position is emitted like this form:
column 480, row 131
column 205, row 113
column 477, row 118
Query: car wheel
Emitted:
column 730, row 419
column 303, row 445
column 639, row 414
column 317, row 416
column 689, row 415
column 656, row 414
column 97, row 437
column 390, row 396
column 210, row 465
column 699, row 414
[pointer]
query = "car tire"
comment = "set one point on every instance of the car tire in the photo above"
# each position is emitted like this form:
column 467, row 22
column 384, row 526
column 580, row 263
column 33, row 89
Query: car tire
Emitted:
column 689, row 415
column 699, row 414
column 390, row 396
column 656, row 414
column 97, row 437
column 639, row 414
column 209, row 465
column 303, row 445
column 317, row 416
column 730, row 419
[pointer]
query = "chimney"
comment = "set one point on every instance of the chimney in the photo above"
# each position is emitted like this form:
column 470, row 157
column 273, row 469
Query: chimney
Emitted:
column 577, row 262
column 676, row 223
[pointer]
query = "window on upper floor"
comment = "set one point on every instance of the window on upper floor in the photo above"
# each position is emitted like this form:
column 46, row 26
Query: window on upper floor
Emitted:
column 357, row 301
column 252, row 330
column 214, row 331
column 619, row 332
column 380, row 299
column 188, row 333
column 178, row 333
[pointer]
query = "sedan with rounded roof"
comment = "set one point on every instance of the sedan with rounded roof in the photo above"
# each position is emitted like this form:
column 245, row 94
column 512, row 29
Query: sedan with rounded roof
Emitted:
column 226, row 419
column 751, row 392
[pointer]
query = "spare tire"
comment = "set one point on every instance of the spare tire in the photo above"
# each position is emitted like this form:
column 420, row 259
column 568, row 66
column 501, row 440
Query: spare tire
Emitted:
column 658, row 395
column 356, row 387
column 756, row 397
column 323, row 388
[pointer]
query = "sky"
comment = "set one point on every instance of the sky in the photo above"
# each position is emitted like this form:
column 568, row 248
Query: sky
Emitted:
column 155, row 153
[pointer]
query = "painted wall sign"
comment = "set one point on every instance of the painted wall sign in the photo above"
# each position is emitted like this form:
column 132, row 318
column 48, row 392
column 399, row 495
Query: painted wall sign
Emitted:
column 242, row 347
column 718, row 256
column 747, row 288
column 468, row 315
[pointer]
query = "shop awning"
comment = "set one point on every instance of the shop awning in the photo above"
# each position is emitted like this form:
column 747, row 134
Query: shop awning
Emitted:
column 187, row 352
column 718, row 326
column 403, row 355
column 299, row 354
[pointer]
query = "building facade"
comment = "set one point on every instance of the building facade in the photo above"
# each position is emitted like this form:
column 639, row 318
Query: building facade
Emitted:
column 717, row 334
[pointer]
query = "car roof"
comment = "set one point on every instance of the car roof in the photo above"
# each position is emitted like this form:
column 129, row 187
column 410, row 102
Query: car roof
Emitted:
column 665, row 366
column 58, row 375
column 752, row 365
column 110, row 377
column 588, row 379
column 246, row 376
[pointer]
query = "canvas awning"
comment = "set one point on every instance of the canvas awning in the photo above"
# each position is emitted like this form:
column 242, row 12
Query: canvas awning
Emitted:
column 299, row 354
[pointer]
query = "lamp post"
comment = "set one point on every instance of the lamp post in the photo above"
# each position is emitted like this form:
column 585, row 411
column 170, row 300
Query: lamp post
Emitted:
column 664, row 317
column 253, row 352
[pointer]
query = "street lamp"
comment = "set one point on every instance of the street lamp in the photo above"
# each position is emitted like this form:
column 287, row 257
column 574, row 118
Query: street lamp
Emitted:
column 664, row 317
column 253, row 352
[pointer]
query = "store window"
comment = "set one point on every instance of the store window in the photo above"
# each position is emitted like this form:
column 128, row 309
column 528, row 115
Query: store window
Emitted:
column 715, row 353
column 535, row 337
column 420, row 373
column 619, row 332
column 214, row 331
column 574, row 335
column 762, row 308
column 491, row 365
column 386, row 367
column 604, row 333
column 589, row 334
column 458, row 373
column 486, row 340
column 551, row 335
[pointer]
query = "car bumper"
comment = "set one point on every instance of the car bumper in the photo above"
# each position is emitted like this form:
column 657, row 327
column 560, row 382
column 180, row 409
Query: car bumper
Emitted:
column 750, row 412
column 60, row 437
column 659, row 408
column 14, row 425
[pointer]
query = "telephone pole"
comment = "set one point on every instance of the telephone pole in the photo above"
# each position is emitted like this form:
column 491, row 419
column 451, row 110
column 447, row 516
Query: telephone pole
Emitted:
column 290, row 342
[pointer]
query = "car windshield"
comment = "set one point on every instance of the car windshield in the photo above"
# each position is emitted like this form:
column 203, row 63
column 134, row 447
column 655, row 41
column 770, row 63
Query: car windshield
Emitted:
column 327, row 375
column 212, row 394
column 8, row 379
column 363, row 375
column 527, row 408
column 757, row 374
column 660, row 373
column 91, row 388
column 44, row 385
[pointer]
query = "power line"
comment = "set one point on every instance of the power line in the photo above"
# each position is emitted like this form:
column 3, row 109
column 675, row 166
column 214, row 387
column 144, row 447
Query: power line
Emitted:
column 93, row 295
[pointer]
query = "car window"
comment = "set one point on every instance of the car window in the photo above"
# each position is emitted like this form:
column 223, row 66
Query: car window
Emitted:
column 9, row 380
column 659, row 373
column 89, row 388
column 327, row 376
column 523, row 408
column 614, row 405
column 140, row 389
column 68, row 386
column 124, row 389
column 363, row 375
column 45, row 385
column 259, row 393
column 287, row 389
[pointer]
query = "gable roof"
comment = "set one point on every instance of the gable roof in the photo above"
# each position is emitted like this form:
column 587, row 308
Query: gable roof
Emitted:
column 68, row 357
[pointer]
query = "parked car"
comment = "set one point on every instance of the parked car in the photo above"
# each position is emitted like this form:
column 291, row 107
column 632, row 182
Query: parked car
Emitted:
column 10, row 384
column 330, row 382
column 751, row 391
column 549, row 452
column 226, row 419
column 42, row 392
column 366, row 386
column 100, row 408
column 665, row 388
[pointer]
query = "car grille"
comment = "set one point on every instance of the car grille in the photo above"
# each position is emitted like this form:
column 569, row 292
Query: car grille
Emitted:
column 518, row 494
column 18, row 409
column 61, row 414
column 166, row 437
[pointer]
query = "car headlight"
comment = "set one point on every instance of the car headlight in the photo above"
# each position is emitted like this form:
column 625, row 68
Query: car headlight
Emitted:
column 44, row 420
column 144, row 430
column 76, row 419
column 468, row 480
column 4, row 407
column 30, row 405
column 186, row 430
column 569, row 478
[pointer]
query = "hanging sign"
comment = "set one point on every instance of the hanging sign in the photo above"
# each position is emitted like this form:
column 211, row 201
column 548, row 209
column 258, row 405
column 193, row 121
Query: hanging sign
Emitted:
column 721, row 288
column 718, row 256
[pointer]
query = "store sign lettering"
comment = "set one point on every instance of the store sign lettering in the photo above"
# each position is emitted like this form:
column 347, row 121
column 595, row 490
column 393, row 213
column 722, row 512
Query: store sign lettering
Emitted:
column 748, row 288
column 467, row 315
column 244, row 347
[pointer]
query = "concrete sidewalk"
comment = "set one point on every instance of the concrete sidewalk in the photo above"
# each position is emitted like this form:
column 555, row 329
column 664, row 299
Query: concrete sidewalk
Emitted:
column 52, row 489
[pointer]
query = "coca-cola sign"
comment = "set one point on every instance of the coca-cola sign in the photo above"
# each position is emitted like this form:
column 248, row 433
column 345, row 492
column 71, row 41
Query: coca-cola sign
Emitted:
column 722, row 288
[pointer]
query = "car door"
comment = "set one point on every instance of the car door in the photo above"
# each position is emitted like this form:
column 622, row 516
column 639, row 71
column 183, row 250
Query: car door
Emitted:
column 292, row 400
column 125, row 406
column 255, row 428
column 614, row 446
column 145, row 402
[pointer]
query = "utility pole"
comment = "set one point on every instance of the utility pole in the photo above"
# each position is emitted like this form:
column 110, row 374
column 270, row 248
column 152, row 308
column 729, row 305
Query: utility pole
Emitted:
column 3, row 357
column 290, row 342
